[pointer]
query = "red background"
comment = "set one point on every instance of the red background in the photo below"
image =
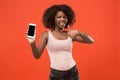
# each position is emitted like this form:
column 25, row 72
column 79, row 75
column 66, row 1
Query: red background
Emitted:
column 98, row 61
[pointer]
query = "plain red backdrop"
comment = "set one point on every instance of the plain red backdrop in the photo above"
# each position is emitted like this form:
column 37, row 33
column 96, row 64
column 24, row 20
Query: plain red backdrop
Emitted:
column 98, row 61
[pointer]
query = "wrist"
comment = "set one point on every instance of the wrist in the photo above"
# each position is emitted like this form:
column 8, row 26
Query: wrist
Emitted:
column 33, row 43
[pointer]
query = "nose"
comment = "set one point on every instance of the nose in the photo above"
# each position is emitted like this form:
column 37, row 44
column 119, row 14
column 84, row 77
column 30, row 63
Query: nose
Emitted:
column 63, row 19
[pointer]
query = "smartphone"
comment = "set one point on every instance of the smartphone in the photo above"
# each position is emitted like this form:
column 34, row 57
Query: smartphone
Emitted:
column 31, row 29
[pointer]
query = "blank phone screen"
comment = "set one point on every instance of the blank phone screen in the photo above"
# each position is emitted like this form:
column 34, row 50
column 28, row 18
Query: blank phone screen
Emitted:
column 31, row 30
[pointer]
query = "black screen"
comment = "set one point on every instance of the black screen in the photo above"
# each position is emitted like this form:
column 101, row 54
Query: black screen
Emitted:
column 31, row 30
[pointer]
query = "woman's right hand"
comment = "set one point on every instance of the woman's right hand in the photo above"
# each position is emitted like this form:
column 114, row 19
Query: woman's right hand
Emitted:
column 30, row 39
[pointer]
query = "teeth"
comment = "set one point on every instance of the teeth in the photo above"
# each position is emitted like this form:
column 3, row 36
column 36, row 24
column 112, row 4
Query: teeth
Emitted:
column 62, row 23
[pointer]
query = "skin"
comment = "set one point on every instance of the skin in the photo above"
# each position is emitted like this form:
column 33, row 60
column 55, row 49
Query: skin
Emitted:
column 58, row 33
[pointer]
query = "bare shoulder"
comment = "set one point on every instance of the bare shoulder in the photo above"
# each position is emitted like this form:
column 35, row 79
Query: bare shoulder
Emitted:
column 44, row 37
column 45, row 34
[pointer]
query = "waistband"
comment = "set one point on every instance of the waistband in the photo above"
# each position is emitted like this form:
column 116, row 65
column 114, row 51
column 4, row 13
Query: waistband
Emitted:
column 73, row 69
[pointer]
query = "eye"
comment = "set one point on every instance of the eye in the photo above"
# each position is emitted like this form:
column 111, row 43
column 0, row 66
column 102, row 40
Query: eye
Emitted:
column 64, row 16
column 58, row 16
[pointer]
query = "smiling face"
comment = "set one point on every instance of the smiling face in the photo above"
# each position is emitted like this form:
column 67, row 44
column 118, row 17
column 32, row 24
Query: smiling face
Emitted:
column 60, row 20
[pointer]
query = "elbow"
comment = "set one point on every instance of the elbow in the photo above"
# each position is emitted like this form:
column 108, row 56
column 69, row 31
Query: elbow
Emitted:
column 36, row 57
column 91, row 40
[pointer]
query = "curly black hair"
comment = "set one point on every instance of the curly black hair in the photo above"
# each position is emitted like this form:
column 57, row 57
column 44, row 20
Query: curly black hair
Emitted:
column 50, row 13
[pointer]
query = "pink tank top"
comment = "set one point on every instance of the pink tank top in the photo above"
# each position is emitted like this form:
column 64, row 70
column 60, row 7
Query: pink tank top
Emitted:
column 60, row 52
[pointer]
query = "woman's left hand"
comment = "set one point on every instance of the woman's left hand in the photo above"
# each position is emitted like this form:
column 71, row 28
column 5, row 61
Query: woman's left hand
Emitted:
column 73, row 33
column 79, row 36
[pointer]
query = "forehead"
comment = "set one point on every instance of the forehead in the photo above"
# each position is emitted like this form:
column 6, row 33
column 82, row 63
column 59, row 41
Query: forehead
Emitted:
column 60, row 13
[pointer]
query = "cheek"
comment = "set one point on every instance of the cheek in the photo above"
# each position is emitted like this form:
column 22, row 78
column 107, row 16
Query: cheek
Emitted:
column 56, row 21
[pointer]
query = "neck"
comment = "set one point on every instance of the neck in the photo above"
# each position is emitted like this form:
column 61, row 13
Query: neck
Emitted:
column 59, row 29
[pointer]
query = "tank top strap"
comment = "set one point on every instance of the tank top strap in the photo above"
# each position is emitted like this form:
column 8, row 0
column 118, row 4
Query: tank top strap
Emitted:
column 49, row 34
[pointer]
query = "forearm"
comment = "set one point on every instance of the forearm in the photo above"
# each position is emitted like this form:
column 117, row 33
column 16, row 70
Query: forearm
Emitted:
column 35, row 51
column 86, row 38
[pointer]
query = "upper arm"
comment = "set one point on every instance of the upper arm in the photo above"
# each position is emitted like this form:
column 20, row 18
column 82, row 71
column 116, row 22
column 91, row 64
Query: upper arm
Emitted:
column 43, row 41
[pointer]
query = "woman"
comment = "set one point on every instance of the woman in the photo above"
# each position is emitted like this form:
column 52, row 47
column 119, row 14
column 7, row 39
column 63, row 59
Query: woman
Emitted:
column 58, row 42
